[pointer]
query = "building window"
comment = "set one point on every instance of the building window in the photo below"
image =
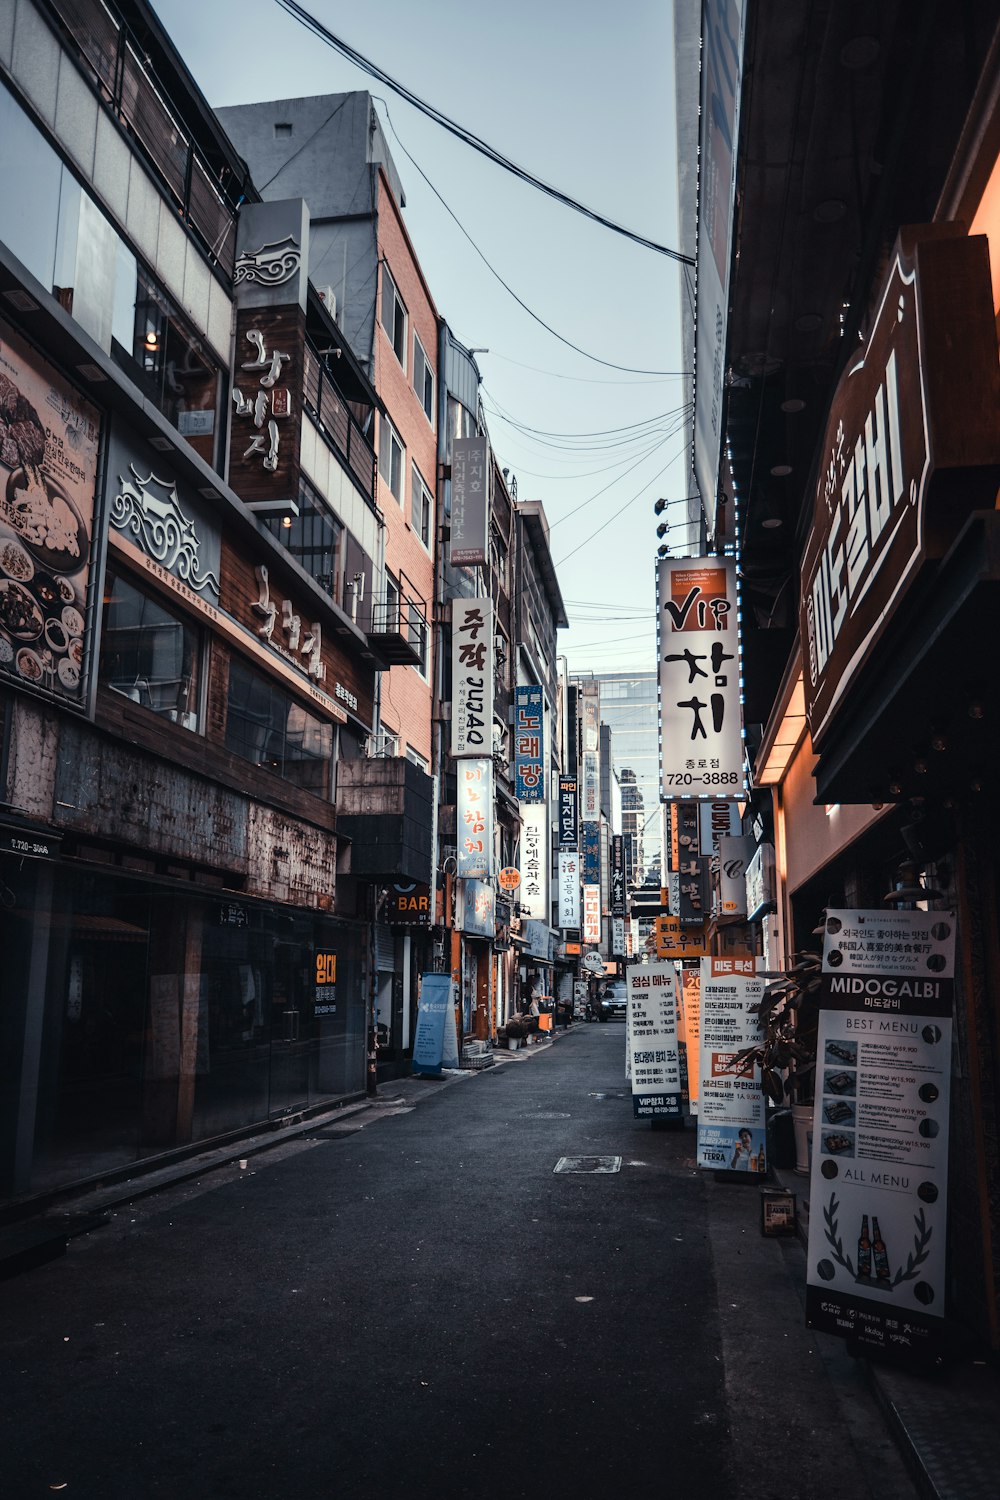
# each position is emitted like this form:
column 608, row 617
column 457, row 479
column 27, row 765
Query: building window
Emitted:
column 393, row 316
column 391, row 603
column 421, row 507
column 315, row 539
column 269, row 728
column 423, row 379
column 148, row 653
column 390, row 456
column 416, row 630
column 417, row 758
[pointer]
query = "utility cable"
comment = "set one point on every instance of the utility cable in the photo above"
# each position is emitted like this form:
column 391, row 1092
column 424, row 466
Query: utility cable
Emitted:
column 300, row 14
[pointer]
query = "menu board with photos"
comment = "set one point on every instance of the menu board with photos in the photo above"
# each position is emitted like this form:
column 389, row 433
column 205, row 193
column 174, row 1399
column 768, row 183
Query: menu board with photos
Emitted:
column 879, row 1171
column 49, row 440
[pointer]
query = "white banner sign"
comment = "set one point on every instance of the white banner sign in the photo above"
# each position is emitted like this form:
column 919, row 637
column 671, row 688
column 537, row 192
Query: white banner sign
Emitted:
column 569, row 889
column 474, row 813
column 470, row 519
column 731, row 1122
column 878, row 1189
column 472, row 664
column 699, row 678
column 654, row 1055
column 592, row 914
column 533, row 893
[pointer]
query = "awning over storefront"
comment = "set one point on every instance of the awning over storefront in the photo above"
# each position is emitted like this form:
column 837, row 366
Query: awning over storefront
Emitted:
column 924, row 718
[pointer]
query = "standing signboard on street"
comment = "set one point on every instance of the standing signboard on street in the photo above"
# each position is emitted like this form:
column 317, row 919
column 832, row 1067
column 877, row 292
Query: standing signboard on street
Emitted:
column 878, row 1188
column 654, row 1056
column 731, row 1120
column 435, row 1042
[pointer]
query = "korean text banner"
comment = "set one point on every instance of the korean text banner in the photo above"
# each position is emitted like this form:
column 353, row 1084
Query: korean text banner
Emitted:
column 475, row 819
column 529, row 745
column 568, row 829
column 655, row 1066
column 701, row 749
column 534, row 892
column 469, row 501
column 879, row 1180
column 569, row 889
column 472, row 666
column 592, row 914
column 732, row 1128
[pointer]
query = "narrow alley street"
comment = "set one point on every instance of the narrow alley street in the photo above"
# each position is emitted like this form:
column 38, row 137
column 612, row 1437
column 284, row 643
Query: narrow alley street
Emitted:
column 408, row 1300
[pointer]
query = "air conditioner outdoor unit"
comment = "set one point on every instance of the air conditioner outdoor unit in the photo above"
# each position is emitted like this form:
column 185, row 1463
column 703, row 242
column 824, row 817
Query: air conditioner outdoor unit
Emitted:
column 329, row 299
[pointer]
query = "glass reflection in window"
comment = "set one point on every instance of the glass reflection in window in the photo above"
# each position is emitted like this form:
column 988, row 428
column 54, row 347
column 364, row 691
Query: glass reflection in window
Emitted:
column 149, row 654
column 266, row 726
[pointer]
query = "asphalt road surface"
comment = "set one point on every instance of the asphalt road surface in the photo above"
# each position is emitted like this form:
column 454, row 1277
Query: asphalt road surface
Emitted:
column 410, row 1301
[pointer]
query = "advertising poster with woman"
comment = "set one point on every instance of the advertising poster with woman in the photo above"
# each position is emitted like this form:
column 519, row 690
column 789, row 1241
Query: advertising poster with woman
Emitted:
column 879, row 1180
column 732, row 1129
column 49, row 438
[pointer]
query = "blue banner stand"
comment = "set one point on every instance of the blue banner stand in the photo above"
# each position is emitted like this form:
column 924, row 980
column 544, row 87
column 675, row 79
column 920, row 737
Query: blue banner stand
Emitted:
column 435, row 1044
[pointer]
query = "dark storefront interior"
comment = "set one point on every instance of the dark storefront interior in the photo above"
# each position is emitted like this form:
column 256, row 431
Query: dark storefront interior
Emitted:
column 140, row 1018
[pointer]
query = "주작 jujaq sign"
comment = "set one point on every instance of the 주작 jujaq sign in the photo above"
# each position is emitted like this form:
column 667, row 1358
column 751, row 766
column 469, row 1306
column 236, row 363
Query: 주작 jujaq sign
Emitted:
column 472, row 668
column 701, row 748
column 878, row 1192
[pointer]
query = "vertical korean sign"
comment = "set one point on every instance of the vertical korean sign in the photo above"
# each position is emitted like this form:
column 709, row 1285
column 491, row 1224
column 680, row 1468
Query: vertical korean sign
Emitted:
column 731, row 1120
column 592, row 914
column 529, row 745
column 655, row 1067
column 569, row 889
column 475, row 819
column 568, row 830
column 472, row 677
column 534, row 892
column 618, row 895
column 879, row 1182
column 699, row 677
column 469, row 501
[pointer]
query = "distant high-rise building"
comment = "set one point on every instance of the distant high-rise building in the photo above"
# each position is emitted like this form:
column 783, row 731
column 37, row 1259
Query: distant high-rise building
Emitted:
column 628, row 705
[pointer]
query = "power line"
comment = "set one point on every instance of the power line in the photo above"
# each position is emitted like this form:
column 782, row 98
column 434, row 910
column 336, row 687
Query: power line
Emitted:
column 300, row 14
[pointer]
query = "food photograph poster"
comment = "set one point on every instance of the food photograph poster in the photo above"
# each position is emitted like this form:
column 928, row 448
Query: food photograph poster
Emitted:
column 49, row 438
column 878, row 1192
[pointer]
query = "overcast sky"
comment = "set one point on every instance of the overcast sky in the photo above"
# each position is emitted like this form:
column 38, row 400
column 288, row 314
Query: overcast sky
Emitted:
column 579, row 93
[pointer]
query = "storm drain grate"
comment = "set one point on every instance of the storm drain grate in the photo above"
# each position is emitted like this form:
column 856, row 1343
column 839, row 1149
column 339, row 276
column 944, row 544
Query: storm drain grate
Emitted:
column 588, row 1164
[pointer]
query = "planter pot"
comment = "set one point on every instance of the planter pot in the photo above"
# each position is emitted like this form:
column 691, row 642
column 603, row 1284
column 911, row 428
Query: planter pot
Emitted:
column 802, row 1123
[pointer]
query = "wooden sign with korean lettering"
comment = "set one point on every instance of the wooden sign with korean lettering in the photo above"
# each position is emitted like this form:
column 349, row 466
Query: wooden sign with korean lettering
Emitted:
column 266, row 408
column 911, row 448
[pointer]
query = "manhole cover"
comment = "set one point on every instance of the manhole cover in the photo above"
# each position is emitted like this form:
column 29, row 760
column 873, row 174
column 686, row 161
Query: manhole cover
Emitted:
column 548, row 1114
column 588, row 1164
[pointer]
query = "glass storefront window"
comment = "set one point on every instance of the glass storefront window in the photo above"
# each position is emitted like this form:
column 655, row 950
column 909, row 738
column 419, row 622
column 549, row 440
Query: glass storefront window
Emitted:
column 148, row 653
column 138, row 1018
column 315, row 539
column 268, row 727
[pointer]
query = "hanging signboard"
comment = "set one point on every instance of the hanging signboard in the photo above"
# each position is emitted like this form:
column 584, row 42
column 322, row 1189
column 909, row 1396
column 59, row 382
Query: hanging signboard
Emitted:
column 408, row 904
column 690, row 1004
column 654, row 1056
column 568, row 828
column 472, row 653
column 591, row 780
column 618, row 937
column 717, row 820
column 474, row 814
column 534, row 890
column 699, row 677
column 905, row 457
column 671, row 940
column 469, row 502
column 734, row 856
column 569, row 888
column 879, row 1181
column 618, row 875
column 435, row 1042
column 731, row 1119
column 590, row 716
column 590, row 849
column 475, row 912
column 529, row 745
column 591, row 913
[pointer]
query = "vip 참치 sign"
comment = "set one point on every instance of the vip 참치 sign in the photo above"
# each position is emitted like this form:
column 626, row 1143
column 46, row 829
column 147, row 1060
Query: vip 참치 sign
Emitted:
column 699, row 677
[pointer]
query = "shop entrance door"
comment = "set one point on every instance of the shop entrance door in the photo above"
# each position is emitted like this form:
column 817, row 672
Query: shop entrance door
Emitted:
column 292, row 1029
